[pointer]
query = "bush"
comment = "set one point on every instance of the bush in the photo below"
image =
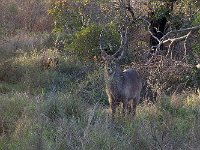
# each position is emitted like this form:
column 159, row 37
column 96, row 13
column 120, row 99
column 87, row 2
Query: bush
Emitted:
column 34, row 73
column 197, row 19
column 92, row 88
column 86, row 41
column 31, row 16
column 59, row 105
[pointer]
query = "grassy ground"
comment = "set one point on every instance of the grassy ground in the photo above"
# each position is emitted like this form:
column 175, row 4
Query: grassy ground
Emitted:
column 64, row 106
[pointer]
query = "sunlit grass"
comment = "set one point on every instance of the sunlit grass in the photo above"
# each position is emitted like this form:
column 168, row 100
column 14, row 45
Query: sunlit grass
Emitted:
column 62, row 120
column 66, row 107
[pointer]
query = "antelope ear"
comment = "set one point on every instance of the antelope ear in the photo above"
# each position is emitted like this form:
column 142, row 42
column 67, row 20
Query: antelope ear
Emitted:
column 104, row 55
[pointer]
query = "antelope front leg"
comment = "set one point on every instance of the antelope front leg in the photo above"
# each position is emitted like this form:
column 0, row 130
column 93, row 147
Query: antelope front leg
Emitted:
column 134, row 105
column 112, row 103
column 113, row 107
column 125, row 105
column 129, row 107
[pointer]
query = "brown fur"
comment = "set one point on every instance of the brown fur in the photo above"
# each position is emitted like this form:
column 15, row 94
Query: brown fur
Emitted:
column 121, row 86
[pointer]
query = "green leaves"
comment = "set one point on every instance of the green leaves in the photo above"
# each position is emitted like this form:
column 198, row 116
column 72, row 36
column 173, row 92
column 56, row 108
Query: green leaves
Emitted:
column 197, row 19
column 86, row 41
column 66, row 15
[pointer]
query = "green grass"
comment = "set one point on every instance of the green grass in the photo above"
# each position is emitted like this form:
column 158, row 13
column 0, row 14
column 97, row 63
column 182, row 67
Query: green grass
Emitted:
column 63, row 121
column 65, row 107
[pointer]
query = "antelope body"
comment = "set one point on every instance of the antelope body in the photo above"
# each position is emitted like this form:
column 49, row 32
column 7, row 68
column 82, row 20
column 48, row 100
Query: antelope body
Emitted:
column 121, row 86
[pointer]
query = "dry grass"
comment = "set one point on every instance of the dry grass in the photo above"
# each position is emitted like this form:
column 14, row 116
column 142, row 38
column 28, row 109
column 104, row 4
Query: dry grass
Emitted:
column 64, row 106
column 63, row 120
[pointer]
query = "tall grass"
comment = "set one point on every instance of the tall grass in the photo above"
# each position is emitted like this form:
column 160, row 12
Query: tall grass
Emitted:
column 64, row 106
column 63, row 121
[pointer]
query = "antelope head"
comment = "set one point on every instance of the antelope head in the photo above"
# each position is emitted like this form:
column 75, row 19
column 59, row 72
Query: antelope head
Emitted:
column 111, row 61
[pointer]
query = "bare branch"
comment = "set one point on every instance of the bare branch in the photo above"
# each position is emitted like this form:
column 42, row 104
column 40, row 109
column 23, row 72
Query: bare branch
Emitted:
column 185, row 37
column 149, row 30
column 130, row 9
column 172, row 40
column 185, row 44
column 181, row 30
column 100, row 40
column 167, row 34
column 176, row 39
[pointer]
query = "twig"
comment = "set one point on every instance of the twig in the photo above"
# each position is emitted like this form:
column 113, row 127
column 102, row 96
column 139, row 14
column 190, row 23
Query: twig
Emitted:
column 172, row 41
column 185, row 44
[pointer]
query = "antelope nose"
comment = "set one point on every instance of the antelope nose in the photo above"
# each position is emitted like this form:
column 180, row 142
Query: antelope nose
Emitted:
column 110, row 70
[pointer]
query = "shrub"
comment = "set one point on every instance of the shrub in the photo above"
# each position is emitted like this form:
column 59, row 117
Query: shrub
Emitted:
column 92, row 88
column 86, row 41
column 196, row 21
column 59, row 105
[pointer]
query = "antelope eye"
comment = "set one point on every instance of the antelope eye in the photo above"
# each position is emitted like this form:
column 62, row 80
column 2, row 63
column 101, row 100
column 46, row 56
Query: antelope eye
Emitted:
column 110, row 71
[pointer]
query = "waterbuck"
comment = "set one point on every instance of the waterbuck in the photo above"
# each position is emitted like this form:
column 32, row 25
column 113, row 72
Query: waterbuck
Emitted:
column 121, row 86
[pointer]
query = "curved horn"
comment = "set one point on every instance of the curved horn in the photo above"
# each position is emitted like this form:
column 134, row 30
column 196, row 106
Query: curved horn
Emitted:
column 102, row 46
column 123, row 46
column 101, row 40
